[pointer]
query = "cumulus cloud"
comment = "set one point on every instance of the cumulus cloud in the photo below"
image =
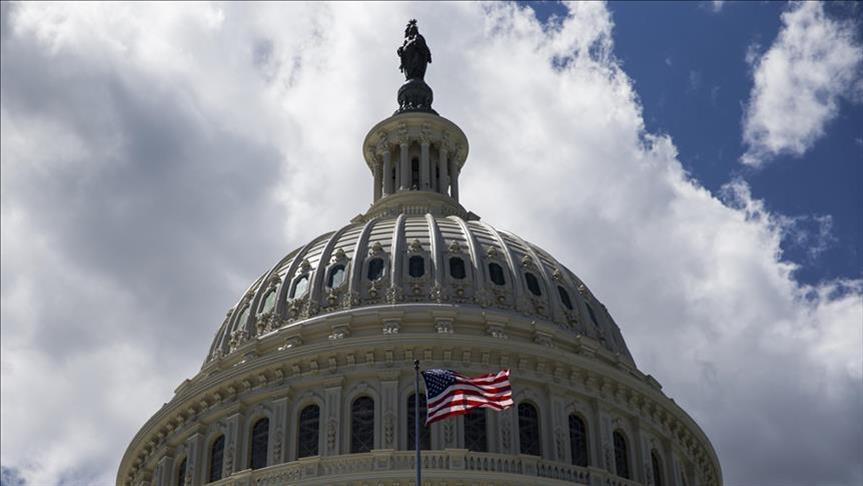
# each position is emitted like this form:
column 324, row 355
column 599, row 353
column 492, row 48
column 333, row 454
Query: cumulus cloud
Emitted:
column 156, row 160
column 799, row 82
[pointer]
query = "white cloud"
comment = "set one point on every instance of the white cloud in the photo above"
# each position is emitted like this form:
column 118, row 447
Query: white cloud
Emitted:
column 814, row 62
column 196, row 145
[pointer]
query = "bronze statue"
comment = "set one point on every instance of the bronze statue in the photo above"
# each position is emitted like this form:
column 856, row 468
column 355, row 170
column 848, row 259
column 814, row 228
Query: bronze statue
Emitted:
column 414, row 53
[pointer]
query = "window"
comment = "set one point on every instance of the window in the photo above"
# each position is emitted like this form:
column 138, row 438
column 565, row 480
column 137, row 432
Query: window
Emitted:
column 300, row 286
column 307, row 431
column 592, row 315
column 474, row 431
column 657, row 468
column 532, row 284
column 181, row 473
column 376, row 269
column 269, row 301
column 362, row 425
column 416, row 266
column 217, row 457
column 425, row 432
column 578, row 440
column 528, row 430
column 336, row 276
column 495, row 273
column 621, row 455
column 564, row 297
column 244, row 316
column 260, row 437
column 415, row 173
column 456, row 268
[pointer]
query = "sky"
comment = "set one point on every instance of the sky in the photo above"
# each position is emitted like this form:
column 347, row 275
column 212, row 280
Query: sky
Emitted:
column 699, row 165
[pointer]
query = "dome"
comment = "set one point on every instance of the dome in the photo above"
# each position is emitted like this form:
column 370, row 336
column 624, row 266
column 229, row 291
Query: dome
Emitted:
column 311, row 376
column 441, row 262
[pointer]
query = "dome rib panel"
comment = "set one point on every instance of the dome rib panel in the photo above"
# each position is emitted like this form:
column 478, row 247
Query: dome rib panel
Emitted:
column 551, row 296
column 361, row 249
column 397, row 250
column 515, row 275
column 281, row 303
column 435, row 247
column 472, row 251
column 323, row 263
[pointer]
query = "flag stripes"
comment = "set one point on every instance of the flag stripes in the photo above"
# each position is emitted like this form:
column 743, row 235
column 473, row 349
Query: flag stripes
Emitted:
column 452, row 394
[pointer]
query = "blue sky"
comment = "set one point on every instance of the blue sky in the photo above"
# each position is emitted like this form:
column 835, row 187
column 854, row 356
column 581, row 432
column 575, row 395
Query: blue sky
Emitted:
column 688, row 64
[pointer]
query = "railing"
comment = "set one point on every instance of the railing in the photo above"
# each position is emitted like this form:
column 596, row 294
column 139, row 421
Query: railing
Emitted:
column 392, row 463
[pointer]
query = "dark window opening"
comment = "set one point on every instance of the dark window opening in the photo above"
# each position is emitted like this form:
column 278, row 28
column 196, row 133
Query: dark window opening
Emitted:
column 336, row 276
column 269, row 301
column 475, row 438
column 217, row 457
column 260, row 437
column 456, row 268
column 416, row 266
column 300, row 286
column 564, row 297
column 362, row 425
column 621, row 455
column 376, row 269
column 528, row 430
column 578, row 440
column 495, row 273
column 415, row 173
column 657, row 468
column 181, row 474
column 425, row 431
column 532, row 284
column 307, row 436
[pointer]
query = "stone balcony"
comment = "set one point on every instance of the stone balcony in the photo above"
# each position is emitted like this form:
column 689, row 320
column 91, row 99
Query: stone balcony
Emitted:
column 449, row 466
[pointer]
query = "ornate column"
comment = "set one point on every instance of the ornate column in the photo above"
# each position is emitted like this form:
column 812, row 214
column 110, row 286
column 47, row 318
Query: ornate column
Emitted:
column 453, row 179
column 389, row 410
column 194, row 458
column 332, row 413
column 233, row 445
column 404, row 166
column 378, row 188
column 443, row 182
column 163, row 471
column 388, row 173
column 424, row 164
column 278, row 446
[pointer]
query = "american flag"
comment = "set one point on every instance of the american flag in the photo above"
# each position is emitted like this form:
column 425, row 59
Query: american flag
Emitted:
column 451, row 394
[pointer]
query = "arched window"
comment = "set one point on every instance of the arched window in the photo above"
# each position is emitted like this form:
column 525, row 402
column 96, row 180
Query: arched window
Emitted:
column 376, row 269
column 362, row 425
column 336, row 276
column 181, row 473
column 532, row 284
column 456, row 268
column 657, row 468
column 578, row 440
column 260, row 437
column 495, row 273
column 564, row 297
column 528, row 430
column 244, row 316
column 475, row 438
column 300, row 286
column 621, row 455
column 307, row 431
column 416, row 266
column 269, row 301
column 425, row 432
column 415, row 173
column 217, row 458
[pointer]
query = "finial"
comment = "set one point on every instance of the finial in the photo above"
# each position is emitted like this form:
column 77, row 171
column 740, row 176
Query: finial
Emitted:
column 415, row 56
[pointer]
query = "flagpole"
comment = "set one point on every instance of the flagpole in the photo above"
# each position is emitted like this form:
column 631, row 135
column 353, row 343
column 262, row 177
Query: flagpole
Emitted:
column 417, row 420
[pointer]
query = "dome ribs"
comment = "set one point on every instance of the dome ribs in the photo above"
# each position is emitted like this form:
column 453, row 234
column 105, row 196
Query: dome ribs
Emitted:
column 435, row 247
column 361, row 249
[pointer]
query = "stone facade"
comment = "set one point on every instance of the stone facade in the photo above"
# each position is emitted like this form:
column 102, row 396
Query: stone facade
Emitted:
column 417, row 277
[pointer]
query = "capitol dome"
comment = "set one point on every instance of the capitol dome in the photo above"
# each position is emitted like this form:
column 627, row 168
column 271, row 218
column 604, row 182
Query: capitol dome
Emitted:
column 310, row 380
